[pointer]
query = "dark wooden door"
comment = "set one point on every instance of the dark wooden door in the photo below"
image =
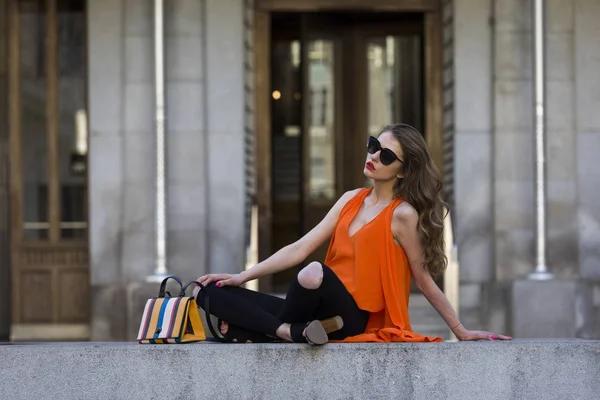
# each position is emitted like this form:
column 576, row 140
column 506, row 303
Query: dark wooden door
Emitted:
column 336, row 79
column 48, row 175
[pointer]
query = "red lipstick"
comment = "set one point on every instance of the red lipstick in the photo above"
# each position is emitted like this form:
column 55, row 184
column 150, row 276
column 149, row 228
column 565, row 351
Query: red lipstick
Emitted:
column 370, row 166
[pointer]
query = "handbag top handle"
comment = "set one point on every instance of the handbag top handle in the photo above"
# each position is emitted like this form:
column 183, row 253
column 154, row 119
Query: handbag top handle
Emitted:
column 163, row 285
column 184, row 288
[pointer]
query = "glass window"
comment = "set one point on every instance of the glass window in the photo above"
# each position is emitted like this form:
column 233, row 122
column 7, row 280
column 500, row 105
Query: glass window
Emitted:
column 32, row 24
column 73, row 133
column 65, row 104
column 286, row 120
column 394, row 82
column 321, row 117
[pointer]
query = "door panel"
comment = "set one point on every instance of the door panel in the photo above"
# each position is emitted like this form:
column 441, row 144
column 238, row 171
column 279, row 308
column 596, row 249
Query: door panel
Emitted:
column 34, row 87
column 48, row 134
column 37, row 307
column 394, row 80
column 321, row 189
column 286, row 142
column 71, row 288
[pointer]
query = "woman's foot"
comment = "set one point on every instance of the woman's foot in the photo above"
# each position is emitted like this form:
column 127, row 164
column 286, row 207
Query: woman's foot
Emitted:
column 224, row 328
column 285, row 332
column 315, row 332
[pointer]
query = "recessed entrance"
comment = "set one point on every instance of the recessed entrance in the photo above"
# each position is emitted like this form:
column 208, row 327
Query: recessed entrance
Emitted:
column 335, row 78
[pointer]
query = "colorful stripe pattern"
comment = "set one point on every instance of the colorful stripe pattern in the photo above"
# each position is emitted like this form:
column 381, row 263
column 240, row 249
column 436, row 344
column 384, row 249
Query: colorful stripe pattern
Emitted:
column 165, row 319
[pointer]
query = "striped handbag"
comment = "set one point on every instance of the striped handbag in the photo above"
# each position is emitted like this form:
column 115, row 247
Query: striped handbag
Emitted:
column 168, row 319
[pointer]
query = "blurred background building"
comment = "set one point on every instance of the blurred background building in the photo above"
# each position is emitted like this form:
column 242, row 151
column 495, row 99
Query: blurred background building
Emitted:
column 270, row 102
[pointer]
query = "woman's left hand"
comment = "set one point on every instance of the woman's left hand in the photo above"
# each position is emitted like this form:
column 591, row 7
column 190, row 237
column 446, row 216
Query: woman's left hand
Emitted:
column 480, row 335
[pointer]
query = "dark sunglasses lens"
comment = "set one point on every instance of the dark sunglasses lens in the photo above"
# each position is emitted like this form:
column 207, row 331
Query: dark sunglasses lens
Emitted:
column 373, row 145
column 387, row 157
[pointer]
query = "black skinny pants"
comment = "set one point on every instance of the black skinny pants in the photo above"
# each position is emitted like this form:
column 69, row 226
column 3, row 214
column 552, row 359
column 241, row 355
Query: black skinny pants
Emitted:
column 247, row 310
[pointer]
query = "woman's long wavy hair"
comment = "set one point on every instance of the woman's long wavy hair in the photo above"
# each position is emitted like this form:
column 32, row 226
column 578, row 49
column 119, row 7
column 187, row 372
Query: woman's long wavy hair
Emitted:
column 421, row 187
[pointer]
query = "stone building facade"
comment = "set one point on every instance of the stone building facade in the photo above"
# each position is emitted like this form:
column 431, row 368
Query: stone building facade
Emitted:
column 477, row 115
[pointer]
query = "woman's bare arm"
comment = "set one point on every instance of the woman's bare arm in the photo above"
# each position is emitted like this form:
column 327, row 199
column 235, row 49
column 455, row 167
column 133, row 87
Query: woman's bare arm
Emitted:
column 404, row 229
column 297, row 252
column 290, row 255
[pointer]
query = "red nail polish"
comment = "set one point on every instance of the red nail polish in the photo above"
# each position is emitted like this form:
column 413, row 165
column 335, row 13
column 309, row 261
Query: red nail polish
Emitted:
column 218, row 284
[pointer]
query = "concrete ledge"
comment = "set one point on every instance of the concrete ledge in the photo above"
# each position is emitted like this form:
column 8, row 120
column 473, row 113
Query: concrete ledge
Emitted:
column 541, row 369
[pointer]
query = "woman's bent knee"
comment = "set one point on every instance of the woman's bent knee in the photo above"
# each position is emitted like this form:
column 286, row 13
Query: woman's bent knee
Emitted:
column 311, row 276
column 203, row 293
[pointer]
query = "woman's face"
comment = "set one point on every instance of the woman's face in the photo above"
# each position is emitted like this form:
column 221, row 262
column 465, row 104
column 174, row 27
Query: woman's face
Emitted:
column 374, row 167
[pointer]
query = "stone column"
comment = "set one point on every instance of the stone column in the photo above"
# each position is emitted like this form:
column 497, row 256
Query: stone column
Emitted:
column 547, row 308
column 187, row 148
column 587, row 196
column 225, row 124
column 122, row 163
column 473, row 154
column 139, row 143
column 563, row 258
column 513, row 141
column 514, row 213
column 106, row 165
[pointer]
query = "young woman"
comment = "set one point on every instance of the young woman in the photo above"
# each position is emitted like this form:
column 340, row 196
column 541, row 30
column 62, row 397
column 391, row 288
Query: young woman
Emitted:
column 381, row 237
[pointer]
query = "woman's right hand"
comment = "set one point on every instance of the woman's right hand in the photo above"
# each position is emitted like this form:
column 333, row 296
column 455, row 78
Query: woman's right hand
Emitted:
column 222, row 280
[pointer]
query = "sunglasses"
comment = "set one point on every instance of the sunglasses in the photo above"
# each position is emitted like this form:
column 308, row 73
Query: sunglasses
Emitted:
column 386, row 156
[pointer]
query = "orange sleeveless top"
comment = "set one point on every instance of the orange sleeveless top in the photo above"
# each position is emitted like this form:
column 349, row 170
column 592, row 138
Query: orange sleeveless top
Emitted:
column 375, row 272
